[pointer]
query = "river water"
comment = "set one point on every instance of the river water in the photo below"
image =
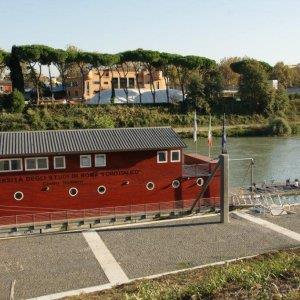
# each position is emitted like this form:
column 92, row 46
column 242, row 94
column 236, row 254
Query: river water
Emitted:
column 275, row 158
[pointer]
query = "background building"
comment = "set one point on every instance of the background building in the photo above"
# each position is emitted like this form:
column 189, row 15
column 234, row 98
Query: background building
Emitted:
column 119, row 78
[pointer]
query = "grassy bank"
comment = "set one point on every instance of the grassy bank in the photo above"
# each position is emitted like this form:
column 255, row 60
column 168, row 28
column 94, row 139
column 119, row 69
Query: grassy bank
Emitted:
column 268, row 276
column 73, row 117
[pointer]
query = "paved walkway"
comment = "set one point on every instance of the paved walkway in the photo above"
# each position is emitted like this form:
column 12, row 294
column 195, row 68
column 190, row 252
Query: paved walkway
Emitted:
column 257, row 220
column 66, row 264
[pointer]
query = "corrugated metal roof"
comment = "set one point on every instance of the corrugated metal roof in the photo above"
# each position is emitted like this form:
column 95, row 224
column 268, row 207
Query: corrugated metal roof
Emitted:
column 88, row 140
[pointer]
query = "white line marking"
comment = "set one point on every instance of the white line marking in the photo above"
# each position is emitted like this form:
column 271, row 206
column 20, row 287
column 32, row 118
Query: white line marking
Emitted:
column 110, row 266
column 61, row 295
column 291, row 234
column 108, row 286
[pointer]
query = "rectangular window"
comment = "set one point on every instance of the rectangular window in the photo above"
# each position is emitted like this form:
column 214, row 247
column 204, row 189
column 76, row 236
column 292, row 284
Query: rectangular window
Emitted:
column 85, row 161
column 131, row 82
column 115, row 82
column 7, row 165
column 59, row 162
column 4, row 165
column 100, row 160
column 88, row 88
column 16, row 164
column 36, row 163
column 175, row 156
column 123, row 82
column 42, row 163
column 162, row 156
column 30, row 164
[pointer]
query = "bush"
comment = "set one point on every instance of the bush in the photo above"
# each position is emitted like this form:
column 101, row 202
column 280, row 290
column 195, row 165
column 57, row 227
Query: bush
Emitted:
column 280, row 127
column 17, row 101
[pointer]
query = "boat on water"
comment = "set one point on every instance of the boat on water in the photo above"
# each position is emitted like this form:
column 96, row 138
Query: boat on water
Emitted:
column 48, row 171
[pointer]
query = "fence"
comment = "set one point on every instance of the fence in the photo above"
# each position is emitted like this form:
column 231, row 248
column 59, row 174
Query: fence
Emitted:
column 129, row 211
column 195, row 170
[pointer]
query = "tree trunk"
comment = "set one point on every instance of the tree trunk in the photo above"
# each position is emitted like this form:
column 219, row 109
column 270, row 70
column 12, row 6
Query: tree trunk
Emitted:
column 51, row 86
column 152, row 87
column 37, row 93
column 37, row 81
column 167, row 89
column 126, row 87
column 100, row 85
column 183, row 91
column 138, row 86
column 83, row 83
column 181, row 82
column 137, row 81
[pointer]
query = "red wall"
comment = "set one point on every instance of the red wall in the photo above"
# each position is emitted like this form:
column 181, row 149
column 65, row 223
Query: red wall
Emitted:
column 137, row 168
column 49, row 190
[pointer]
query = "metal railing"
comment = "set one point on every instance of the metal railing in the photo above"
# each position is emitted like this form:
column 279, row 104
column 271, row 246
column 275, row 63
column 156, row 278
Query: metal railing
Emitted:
column 129, row 211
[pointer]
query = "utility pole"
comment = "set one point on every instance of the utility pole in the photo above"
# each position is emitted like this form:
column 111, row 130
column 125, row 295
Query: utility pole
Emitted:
column 224, row 205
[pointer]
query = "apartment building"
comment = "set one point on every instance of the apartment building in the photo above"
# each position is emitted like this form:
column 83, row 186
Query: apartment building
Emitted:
column 93, row 83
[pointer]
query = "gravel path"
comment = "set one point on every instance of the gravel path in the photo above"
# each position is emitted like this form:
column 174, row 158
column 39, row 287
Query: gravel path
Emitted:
column 47, row 264
column 157, row 249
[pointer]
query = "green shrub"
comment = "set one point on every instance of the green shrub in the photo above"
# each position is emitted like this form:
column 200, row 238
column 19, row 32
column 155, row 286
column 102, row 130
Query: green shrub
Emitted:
column 280, row 127
column 15, row 101
column 12, row 122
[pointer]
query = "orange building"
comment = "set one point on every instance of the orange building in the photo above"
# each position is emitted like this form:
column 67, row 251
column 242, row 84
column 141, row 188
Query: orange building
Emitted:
column 5, row 86
column 93, row 83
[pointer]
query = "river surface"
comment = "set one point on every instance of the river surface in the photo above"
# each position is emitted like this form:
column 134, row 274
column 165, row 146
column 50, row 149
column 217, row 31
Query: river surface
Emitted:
column 275, row 158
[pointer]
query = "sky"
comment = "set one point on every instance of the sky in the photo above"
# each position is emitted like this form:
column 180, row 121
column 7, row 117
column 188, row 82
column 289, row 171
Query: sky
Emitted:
column 268, row 30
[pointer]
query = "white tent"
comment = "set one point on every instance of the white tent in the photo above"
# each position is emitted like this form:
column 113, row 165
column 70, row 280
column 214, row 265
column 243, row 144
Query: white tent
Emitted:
column 133, row 96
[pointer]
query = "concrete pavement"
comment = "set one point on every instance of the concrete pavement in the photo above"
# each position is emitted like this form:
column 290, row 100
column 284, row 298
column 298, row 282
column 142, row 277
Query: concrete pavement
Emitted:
column 56, row 263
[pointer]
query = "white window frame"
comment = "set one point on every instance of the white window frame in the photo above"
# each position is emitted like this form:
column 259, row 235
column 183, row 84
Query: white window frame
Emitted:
column 73, row 188
column 147, row 185
column 95, row 160
column 22, row 196
column 101, row 186
column 81, row 166
column 54, row 163
column 9, row 163
column 36, row 163
column 175, row 184
column 174, row 151
column 166, row 155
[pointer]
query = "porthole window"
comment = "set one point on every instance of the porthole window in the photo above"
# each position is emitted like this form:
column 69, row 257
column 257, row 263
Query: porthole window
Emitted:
column 150, row 186
column 18, row 196
column 200, row 181
column 101, row 189
column 73, row 192
column 176, row 184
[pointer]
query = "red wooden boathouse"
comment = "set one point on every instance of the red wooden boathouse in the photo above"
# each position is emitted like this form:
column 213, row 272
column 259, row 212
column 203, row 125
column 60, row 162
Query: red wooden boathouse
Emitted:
column 82, row 169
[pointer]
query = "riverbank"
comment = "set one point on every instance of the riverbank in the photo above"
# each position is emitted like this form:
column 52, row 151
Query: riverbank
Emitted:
column 109, row 116
column 240, row 130
column 269, row 276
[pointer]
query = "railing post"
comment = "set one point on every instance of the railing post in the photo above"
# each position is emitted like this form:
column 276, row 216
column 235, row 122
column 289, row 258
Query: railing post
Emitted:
column 224, row 160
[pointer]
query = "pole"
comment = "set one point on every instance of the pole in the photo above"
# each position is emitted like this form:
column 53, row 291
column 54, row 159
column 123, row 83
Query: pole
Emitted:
column 252, row 163
column 224, row 161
